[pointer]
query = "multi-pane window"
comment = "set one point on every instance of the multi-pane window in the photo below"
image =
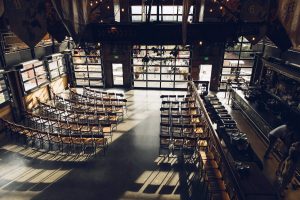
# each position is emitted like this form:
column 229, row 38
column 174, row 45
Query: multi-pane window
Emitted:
column 56, row 66
column 238, row 62
column 161, row 66
column 33, row 74
column 167, row 13
column 87, row 67
column 4, row 96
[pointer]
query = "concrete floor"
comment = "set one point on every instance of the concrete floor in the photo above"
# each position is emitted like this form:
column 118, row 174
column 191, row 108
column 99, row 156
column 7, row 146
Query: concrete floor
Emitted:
column 131, row 168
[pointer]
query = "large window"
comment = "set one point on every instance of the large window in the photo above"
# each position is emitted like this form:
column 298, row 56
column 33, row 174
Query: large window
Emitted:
column 87, row 67
column 167, row 13
column 161, row 66
column 56, row 66
column 238, row 62
column 34, row 74
column 4, row 96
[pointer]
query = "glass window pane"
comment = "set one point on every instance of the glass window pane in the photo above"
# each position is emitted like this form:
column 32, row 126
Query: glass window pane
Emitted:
column 2, row 85
column 28, row 75
column 247, row 55
column 42, row 79
column 180, row 84
column 169, row 9
column 96, row 68
column 30, row 84
column 81, row 75
column 52, row 65
column 54, row 73
column 169, row 18
column 95, row 75
column 246, row 47
column 4, row 97
column 231, row 55
column 136, row 9
column 153, row 77
column 93, row 60
column 80, row 67
column 167, row 84
column 40, row 70
column 247, row 63
column 245, row 71
column 155, row 69
column 139, row 83
column 82, row 82
column 136, row 18
column 96, row 83
column 153, row 84
column 180, row 10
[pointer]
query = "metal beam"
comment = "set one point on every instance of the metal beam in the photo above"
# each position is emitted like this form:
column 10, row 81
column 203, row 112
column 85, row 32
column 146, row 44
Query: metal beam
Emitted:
column 169, row 33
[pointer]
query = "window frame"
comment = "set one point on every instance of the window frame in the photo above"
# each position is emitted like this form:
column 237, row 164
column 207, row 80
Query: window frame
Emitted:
column 163, row 69
column 56, row 58
column 4, row 90
column 36, row 76
column 88, row 78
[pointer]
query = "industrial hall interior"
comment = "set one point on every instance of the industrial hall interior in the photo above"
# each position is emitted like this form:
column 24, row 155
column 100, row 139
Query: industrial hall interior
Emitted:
column 150, row 99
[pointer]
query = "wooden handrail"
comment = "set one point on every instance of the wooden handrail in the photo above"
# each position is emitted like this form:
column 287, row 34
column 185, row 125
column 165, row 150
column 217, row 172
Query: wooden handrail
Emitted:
column 214, row 134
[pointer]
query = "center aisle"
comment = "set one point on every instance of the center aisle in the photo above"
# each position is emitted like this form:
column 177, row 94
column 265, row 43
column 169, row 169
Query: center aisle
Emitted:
column 131, row 168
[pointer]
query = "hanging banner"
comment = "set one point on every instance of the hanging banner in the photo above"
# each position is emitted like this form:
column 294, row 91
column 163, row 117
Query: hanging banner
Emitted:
column 74, row 15
column 1, row 8
column 289, row 15
column 27, row 19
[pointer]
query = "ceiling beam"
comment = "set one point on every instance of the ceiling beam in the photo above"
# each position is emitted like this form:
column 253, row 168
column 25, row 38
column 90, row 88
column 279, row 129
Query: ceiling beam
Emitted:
column 169, row 33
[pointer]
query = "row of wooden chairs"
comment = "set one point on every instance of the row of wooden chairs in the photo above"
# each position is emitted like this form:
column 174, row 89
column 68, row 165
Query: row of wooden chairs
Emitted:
column 38, row 121
column 96, row 100
column 177, row 97
column 67, row 104
column 180, row 111
column 66, row 108
column 52, row 139
column 88, row 91
column 178, row 104
column 180, row 119
column 93, row 95
column 83, row 117
column 179, row 130
column 180, row 125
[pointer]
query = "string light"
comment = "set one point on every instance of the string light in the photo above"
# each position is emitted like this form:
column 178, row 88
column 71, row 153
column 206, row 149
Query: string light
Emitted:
column 211, row 10
column 200, row 43
column 108, row 7
column 122, row 9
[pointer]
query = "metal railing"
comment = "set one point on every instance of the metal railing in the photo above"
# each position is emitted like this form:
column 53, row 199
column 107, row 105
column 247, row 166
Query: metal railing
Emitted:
column 217, row 142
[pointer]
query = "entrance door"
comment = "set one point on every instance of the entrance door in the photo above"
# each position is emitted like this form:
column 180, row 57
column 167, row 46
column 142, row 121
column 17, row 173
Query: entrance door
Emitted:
column 205, row 72
column 117, row 74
